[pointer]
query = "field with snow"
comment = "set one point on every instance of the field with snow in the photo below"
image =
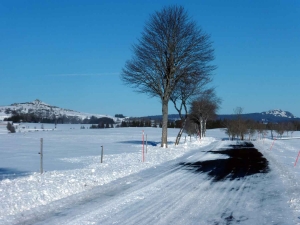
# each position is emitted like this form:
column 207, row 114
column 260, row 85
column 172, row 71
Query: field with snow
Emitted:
column 185, row 184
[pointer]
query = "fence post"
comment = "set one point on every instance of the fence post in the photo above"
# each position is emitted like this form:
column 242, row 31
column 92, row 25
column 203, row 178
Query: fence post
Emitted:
column 41, row 153
column 101, row 153
column 297, row 159
column 272, row 144
column 146, row 144
column 143, row 147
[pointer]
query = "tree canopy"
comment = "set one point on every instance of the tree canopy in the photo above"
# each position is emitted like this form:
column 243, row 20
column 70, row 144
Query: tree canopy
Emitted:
column 172, row 50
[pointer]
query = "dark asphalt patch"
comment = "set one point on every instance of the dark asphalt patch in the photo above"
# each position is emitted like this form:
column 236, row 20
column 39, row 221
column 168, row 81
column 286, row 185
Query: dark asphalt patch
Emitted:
column 243, row 160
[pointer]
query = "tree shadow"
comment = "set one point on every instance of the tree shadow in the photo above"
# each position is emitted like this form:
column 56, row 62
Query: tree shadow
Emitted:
column 9, row 173
column 244, row 160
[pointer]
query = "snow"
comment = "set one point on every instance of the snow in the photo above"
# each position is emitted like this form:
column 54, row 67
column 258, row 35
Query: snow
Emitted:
column 77, row 189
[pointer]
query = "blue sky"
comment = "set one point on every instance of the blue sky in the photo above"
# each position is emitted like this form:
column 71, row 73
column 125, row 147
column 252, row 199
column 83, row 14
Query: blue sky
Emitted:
column 70, row 53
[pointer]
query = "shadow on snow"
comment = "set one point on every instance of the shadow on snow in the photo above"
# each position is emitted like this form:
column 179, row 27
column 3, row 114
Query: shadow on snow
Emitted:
column 244, row 160
column 9, row 173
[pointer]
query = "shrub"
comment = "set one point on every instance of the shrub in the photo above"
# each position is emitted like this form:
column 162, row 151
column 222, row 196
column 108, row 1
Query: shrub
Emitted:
column 11, row 128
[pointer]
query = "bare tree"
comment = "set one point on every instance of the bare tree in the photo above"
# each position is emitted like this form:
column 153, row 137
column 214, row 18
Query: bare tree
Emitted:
column 212, row 105
column 237, row 127
column 229, row 129
column 261, row 128
column 189, row 128
column 271, row 127
column 172, row 48
column 241, row 126
column 279, row 129
column 185, row 90
column 291, row 128
column 203, row 108
column 251, row 125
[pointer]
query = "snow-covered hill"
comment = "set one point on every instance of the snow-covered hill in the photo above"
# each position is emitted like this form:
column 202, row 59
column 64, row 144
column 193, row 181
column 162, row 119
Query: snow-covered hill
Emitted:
column 44, row 110
column 279, row 113
column 276, row 115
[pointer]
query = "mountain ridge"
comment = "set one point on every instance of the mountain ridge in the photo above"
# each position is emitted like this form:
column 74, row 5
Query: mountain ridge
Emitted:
column 275, row 115
column 44, row 110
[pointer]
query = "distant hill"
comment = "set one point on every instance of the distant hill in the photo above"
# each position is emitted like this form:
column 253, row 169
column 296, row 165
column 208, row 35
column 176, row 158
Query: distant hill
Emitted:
column 46, row 111
column 276, row 116
column 43, row 110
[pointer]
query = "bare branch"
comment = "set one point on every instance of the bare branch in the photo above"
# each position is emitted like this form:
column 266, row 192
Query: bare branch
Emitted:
column 171, row 60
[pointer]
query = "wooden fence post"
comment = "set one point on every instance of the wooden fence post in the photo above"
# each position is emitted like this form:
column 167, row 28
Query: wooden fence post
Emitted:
column 146, row 144
column 143, row 155
column 297, row 159
column 102, row 154
column 41, row 154
column 272, row 144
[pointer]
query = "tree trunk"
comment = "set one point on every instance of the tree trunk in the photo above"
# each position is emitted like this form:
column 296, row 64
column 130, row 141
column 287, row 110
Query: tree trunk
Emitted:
column 201, row 129
column 164, row 138
column 271, row 134
column 180, row 132
column 204, row 128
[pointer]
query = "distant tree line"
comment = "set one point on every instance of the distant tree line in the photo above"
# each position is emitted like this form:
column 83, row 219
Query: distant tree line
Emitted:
column 247, row 129
column 103, row 122
column 240, row 128
column 34, row 118
column 136, row 123
column 119, row 116
column 148, row 123
column 18, row 117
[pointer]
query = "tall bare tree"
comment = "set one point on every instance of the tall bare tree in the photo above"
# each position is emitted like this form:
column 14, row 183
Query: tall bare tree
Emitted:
column 172, row 48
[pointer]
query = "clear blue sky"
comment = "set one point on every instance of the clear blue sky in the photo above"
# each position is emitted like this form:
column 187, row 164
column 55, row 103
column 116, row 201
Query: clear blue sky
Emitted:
column 70, row 53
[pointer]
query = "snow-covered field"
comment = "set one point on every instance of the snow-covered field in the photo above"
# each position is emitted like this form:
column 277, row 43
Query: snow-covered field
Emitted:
column 77, row 189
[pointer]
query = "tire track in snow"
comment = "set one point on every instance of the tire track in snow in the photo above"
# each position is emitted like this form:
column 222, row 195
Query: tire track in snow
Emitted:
column 146, row 178
column 225, row 196
column 58, row 208
column 175, row 212
column 171, row 195
column 170, row 212
column 172, row 208
column 161, row 199
column 164, row 180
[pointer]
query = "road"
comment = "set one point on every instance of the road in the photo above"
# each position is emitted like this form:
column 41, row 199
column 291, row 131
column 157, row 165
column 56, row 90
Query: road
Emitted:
column 188, row 190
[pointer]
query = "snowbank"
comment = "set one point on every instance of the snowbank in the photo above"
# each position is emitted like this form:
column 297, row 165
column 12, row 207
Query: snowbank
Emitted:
column 33, row 189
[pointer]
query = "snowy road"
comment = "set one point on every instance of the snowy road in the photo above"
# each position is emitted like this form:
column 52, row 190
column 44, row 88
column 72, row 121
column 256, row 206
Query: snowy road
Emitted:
column 173, row 193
